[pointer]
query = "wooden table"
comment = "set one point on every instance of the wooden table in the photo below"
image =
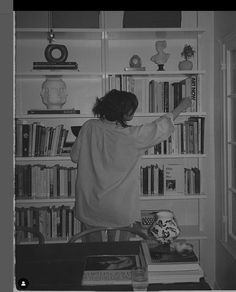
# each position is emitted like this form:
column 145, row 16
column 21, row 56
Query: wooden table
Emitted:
column 60, row 267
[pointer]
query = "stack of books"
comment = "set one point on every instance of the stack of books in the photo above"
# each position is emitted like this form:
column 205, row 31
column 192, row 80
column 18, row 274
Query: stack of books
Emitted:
column 55, row 66
column 166, row 266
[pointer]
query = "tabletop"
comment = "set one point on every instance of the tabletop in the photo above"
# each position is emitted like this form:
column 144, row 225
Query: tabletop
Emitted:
column 60, row 267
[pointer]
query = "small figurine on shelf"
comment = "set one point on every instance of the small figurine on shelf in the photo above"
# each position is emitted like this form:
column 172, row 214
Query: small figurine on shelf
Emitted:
column 135, row 63
column 161, row 57
column 187, row 53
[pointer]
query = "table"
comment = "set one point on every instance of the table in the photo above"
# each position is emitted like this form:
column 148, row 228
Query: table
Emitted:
column 60, row 267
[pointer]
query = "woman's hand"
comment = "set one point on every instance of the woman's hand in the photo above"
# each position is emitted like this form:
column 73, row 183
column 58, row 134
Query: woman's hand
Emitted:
column 184, row 104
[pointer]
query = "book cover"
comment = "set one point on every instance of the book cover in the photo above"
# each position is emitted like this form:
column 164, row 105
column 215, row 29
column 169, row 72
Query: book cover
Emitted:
column 109, row 269
column 162, row 258
column 173, row 178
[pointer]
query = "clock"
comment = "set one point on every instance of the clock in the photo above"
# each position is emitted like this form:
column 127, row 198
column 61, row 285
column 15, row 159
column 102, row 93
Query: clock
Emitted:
column 135, row 61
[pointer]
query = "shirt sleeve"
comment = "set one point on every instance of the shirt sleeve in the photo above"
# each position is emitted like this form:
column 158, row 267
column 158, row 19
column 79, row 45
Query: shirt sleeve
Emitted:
column 74, row 154
column 150, row 134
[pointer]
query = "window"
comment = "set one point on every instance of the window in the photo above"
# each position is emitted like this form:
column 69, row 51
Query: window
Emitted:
column 229, row 95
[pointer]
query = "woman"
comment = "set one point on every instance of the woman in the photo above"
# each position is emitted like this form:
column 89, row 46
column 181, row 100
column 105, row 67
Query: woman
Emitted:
column 107, row 153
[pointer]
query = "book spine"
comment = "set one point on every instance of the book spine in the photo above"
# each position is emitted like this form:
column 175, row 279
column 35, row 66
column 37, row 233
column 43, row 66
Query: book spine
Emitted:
column 166, row 96
column 25, row 139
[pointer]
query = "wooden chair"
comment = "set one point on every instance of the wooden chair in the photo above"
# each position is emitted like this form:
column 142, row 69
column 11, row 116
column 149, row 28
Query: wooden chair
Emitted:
column 105, row 232
column 20, row 229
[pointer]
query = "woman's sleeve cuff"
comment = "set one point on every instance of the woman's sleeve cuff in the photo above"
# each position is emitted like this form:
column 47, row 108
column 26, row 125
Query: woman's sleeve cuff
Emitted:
column 170, row 116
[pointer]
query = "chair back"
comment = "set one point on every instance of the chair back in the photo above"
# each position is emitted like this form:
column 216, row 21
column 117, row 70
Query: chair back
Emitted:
column 20, row 230
column 106, row 234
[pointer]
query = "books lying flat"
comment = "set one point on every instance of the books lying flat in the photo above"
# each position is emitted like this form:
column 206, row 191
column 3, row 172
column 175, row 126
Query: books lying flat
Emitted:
column 52, row 65
column 162, row 259
column 49, row 112
column 109, row 269
column 135, row 68
column 175, row 276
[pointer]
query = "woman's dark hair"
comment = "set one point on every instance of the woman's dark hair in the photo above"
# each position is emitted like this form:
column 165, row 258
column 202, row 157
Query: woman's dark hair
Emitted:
column 114, row 105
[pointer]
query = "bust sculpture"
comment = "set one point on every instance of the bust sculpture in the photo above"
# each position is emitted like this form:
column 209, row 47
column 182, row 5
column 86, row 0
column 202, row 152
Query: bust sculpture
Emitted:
column 161, row 57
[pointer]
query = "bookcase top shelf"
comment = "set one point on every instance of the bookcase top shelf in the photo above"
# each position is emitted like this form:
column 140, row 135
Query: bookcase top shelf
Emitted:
column 152, row 33
column 111, row 33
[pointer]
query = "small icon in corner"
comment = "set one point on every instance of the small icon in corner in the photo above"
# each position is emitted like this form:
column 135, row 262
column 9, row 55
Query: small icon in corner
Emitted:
column 23, row 283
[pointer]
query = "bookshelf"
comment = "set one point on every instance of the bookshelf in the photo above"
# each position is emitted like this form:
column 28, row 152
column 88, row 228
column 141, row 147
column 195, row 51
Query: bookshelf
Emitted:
column 102, row 53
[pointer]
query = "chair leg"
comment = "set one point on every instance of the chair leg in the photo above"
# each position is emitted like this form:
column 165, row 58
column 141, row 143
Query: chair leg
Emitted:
column 104, row 235
column 117, row 235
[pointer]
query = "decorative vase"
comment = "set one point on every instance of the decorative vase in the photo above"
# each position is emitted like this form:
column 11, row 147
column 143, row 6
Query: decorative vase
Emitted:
column 53, row 92
column 185, row 65
column 165, row 228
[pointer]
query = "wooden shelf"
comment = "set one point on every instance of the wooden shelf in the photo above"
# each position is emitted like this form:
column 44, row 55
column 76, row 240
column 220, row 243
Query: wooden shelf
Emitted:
column 43, row 158
column 173, row 156
column 173, row 197
column 187, row 232
column 91, row 116
column 45, row 202
column 156, row 73
column 40, row 202
column 53, row 116
column 64, row 73
column 60, row 33
column 151, row 33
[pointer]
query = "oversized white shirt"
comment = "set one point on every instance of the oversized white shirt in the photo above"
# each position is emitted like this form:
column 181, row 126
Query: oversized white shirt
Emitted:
column 107, row 157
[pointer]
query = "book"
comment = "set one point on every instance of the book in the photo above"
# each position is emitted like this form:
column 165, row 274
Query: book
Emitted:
column 162, row 258
column 165, row 277
column 54, row 65
column 135, row 68
column 109, row 269
column 49, row 112
column 173, row 178
column 25, row 139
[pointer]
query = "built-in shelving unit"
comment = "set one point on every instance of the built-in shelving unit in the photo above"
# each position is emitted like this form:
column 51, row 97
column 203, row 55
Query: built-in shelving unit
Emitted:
column 101, row 53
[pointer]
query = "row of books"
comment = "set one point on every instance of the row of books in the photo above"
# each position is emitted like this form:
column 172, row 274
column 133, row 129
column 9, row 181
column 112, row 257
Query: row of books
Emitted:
column 35, row 139
column 158, row 96
column 53, row 222
column 169, row 179
column 188, row 138
column 42, row 181
column 165, row 96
